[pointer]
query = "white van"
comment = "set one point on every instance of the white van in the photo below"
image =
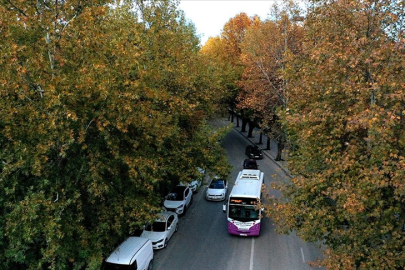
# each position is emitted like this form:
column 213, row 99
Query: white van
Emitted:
column 135, row 253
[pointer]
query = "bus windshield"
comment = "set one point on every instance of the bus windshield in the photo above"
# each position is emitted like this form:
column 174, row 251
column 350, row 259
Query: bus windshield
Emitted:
column 243, row 213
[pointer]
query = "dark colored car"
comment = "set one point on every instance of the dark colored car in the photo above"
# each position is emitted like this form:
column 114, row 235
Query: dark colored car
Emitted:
column 253, row 151
column 250, row 164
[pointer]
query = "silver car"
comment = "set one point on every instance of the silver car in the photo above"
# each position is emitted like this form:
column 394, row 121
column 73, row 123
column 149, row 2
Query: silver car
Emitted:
column 216, row 190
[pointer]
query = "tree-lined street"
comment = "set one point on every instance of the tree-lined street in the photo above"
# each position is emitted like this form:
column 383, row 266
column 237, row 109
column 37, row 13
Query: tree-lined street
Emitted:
column 106, row 105
column 203, row 241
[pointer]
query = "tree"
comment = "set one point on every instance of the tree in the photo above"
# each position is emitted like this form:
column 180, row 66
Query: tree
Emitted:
column 345, row 114
column 266, row 48
column 225, row 51
column 234, row 32
column 220, row 71
column 97, row 115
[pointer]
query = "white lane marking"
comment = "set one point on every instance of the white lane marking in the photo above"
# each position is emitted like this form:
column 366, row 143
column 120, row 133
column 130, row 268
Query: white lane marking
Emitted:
column 302, row 254
column 252, row 251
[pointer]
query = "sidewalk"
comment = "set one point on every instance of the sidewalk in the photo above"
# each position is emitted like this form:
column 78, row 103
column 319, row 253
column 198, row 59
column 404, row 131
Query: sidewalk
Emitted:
column 272, row 153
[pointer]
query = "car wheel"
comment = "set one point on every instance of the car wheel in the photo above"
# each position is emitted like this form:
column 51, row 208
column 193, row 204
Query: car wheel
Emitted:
column 150, row 266
column 165, row 245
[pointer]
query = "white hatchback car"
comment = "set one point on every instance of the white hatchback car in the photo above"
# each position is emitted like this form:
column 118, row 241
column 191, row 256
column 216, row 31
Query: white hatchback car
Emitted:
column 196, row 181
column 216, row 190
column 178, row 199
column 162, row 229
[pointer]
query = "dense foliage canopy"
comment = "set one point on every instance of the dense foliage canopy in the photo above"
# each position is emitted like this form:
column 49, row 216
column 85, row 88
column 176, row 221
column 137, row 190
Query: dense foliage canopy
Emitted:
column 102, row 108
column 346, row 116
column 332, row 83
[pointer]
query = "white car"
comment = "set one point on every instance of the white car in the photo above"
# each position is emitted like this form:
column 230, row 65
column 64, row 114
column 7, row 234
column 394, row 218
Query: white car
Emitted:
column 178, row 199
column 162, row 229
column 216, row 190
column 197, row 181
column 133, row 253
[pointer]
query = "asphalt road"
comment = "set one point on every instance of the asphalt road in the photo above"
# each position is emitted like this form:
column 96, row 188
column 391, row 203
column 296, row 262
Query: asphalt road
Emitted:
column 203, row 242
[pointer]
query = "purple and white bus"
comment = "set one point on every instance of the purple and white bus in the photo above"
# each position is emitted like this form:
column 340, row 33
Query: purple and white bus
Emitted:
column 243, row 213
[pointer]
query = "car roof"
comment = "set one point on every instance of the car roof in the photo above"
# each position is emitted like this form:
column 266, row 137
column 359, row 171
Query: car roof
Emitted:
column 125, row 252
column 163, row 216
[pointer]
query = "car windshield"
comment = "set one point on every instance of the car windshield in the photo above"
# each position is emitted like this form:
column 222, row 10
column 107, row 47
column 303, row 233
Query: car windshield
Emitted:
column 113, row 266
column 217, row 184
column 243, row 213
column 173, row 197
column 250, row 163
column 177, row 194
column 157, row 226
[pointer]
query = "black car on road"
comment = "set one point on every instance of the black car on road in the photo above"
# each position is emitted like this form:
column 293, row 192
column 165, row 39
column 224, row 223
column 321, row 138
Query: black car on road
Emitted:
column 254, row 152
column 250, row 164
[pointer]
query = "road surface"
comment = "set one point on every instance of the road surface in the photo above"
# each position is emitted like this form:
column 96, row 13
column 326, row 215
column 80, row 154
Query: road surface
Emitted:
column 203, row 242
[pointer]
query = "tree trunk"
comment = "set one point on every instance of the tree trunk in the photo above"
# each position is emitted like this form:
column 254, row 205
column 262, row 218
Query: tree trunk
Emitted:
column 244, row 123
column 251, row 128
column 280, row 147
column 268, row 147
column 260, row 138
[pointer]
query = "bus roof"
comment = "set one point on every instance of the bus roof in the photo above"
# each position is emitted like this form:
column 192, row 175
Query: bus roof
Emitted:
column 248, row 184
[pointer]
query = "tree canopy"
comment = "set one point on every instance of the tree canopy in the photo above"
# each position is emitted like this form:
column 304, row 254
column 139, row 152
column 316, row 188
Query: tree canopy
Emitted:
column 346, row 116
column 102, row 108
column 266, row 49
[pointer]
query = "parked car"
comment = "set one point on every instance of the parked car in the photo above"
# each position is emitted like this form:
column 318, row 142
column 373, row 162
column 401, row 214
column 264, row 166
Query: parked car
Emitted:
column 216, row 190
column 197, row 181
column 162, row 229
column 250, row 164
column 194, row 185
column 254, row 152
column 178, row 199
column 133, row 253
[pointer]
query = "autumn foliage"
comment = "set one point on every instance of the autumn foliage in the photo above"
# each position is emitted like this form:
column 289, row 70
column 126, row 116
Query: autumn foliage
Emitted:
column 332, row 83
column 265, row 50
column 345, row 116
column 102, row 109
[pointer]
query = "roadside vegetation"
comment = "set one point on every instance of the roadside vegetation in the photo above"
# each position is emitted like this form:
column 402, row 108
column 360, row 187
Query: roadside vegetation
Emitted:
column 104, row 107
column 328, row 82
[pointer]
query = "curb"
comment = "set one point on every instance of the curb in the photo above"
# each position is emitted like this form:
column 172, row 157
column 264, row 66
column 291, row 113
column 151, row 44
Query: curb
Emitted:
column 225, row 122
column 266, row 152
